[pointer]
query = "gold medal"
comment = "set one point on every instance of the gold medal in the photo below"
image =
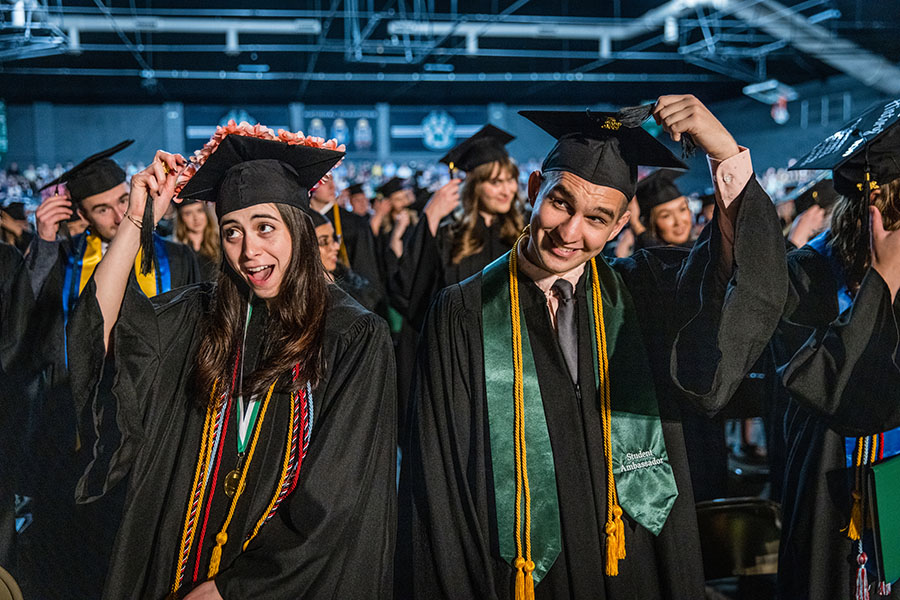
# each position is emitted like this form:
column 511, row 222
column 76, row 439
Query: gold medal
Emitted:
column 232, row 480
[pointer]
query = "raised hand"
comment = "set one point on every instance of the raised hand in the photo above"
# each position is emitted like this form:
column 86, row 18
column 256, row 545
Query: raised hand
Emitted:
column 685, row 114
column 885, row 251
column 157, row 182
column 52, row 211
column 442, row 203
column 807, row 225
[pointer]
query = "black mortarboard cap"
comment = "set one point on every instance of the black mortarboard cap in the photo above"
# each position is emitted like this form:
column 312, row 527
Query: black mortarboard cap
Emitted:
column 94, row 175
column 318, row 218
column 394, row 184
column 599, row 148
column 818, row 191
column 870, row 142
column 245, row 171
column 356, row 188
column 657, row 188
column 487, row 145
column 15, row 210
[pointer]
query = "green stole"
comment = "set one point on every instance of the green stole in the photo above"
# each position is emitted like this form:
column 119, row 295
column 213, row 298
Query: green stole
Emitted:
column 644, row 479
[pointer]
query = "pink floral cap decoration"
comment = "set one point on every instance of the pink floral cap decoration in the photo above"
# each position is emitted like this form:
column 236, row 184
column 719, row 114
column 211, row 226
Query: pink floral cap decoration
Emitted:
column 258, row 131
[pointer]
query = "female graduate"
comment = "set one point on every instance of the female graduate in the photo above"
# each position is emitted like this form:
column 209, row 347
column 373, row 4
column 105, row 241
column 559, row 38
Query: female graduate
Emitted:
column 838, row 394
column 252, row 420
column 442, row 251
column 196, row 228
column 660, row 215
column 346, row 278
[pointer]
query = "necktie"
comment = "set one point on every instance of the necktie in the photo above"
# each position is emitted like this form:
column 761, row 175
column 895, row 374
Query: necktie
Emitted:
column 565, row 325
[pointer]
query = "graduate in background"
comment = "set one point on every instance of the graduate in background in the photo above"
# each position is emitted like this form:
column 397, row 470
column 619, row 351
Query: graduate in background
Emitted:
column 17, row 369
column 359, row 200
column 252, row 420
column 442, row 250
column 77, row 539
column 329, row 252
column 546, row 457
column 196, row 228
column 836, row 347
column 660, row 215
column 359, row 249
column 814, row 203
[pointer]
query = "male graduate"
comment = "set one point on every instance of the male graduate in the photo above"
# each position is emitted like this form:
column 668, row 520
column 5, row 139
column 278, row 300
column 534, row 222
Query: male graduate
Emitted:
column 76, row 538
column 546, row 457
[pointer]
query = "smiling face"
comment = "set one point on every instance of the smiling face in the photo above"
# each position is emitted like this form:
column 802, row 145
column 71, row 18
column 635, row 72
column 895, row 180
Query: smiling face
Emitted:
column 194, row 217
column 257, row 245
column 105, row 211
column 328, row 246
column 572, row 219
column 497, row 192
column 672, row 221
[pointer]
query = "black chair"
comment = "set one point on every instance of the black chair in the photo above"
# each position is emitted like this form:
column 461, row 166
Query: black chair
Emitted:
column 739, row 540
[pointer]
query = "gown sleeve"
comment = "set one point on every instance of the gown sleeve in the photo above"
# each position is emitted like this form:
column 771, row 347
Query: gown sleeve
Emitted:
column 847, row 370
column 121, row 388
column 419, row 274
column 334, row 535
column 727, row 320
column 444, row 541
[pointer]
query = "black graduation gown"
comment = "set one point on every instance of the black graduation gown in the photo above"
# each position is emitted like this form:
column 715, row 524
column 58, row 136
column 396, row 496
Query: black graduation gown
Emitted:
column 362, row 248
column 16, row 370
column 839, row 377
column 427, row 266
column 78, row 539
column 332, row 537
column 701, row 330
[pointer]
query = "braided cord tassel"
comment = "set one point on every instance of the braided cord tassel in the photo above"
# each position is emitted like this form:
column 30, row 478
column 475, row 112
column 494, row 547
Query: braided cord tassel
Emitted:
column 524, row 589
column 199, row 487
column 222, row 536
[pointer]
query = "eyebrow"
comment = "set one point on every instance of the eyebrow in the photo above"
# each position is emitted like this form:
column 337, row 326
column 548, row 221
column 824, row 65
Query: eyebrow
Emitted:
column 230, row 221
column 560, row 188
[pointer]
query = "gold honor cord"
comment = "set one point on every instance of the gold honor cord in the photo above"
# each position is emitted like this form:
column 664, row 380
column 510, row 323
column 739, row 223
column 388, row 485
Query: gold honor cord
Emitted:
column 339, row 231
column 187, row 534
column 615, row 527
column 222, row 536
column 523, row 564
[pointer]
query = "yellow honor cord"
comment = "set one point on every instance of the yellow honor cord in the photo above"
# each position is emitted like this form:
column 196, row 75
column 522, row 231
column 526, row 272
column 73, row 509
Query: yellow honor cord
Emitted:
column 523, row 564
column 222, row 536
column 285, row 466
column 339, row 230
column 206, row 443
column 615, row 526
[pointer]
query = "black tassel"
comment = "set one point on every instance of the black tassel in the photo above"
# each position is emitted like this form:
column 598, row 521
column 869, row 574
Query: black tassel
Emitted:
column 148, row 253
column 634, row 116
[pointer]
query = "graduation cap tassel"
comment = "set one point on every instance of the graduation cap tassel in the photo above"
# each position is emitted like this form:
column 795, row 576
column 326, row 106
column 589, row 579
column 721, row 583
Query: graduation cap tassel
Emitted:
column 148, row 254
column 634, row 116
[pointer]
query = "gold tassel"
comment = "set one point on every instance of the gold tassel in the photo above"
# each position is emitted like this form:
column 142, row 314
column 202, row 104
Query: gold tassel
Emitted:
column 520, row 579
column 620, row 531
column 216, row 558
column 612, row 549
column 854, row 528
column 529, row 580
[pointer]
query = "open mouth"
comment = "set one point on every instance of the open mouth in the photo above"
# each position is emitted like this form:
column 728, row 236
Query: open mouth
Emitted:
column 259, row 275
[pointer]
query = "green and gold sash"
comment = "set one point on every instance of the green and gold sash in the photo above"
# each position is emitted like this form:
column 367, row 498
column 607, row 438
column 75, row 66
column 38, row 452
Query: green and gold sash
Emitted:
column 524, row 475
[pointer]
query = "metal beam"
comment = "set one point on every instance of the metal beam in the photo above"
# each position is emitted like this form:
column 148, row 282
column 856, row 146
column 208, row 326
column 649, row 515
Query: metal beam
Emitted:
column 154, row 24
column 555, row 77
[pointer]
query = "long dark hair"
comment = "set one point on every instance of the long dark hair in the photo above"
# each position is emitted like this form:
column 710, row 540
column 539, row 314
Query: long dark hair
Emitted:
column 296, row 324
column 850, row 229
column 465, row 242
